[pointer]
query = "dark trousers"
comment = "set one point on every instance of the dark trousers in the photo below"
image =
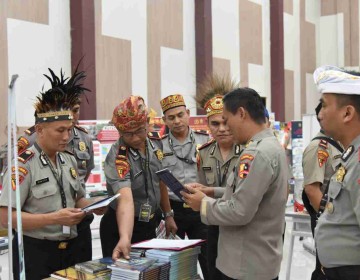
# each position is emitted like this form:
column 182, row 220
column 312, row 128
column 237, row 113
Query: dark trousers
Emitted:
column 349, row 272
column 212, row 251
column 43, row 257
column 189, row 223
column 84, row 243
column 109, row 234
column 224, row 277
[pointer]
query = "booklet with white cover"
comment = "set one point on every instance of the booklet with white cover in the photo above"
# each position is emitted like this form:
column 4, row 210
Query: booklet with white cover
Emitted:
column 101, row 203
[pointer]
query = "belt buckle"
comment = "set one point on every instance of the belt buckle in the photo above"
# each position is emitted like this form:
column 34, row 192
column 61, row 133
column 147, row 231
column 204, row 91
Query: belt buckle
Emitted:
column 185, row 205
column 62, row 245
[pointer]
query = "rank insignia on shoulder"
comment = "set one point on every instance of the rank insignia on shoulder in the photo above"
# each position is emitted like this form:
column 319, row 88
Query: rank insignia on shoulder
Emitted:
column 206, row 144
column 154, row 135
column 244, row 170
column 340, row 174
column 159, row 154
column 122, row 167
column 73, row 172
column 246, row 157
column 81, row 128
column 82, row 146
column 122, row 152
column 25, row 156
column 200, row 131
column 237, row 150
column 30, row 130
column 23, row 144
column 345, row 156
column 322, row 157
column 323, row 143
column 21, row 169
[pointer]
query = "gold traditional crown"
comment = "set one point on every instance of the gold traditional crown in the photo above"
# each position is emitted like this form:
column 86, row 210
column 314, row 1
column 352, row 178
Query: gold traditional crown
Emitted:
column 214, row 106
column 172, row 101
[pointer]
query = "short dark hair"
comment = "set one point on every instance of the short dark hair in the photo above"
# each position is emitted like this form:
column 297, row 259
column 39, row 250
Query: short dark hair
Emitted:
column 247, row 98
column 349, row 99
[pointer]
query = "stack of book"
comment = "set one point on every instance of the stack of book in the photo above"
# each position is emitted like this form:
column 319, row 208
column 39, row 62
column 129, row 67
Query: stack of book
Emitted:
column 139, row 268
column 90, row 270
column 183, row 263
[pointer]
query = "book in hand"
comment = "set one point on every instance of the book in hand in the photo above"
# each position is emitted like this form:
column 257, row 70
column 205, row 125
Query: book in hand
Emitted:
column 100, row 203
column 169, row 179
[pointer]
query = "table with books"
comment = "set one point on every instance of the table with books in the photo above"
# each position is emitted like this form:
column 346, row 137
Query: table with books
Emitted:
column 156, row 259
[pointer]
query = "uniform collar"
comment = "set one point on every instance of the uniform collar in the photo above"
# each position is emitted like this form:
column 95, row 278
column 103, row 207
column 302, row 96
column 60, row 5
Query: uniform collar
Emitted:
column 215, row 152
column 267, row 132
column 189, row 138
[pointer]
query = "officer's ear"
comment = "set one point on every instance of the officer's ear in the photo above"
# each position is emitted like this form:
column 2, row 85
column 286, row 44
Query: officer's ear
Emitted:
column 241, row 112
column 39, row 128
column 349, row 113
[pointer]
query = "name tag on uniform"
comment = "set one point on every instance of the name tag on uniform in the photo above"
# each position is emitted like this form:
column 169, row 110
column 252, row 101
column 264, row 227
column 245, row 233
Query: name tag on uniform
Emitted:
column 42, row 181
column 206, row 168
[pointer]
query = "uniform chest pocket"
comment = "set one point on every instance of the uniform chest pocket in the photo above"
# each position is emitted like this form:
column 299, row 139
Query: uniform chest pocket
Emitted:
column 82, row 155
column 334, row 189
column 43, row 191
column 210, row 178
column 169, row 160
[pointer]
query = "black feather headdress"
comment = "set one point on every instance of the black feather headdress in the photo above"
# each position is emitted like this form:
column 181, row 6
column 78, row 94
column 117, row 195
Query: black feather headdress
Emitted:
column 57, row 102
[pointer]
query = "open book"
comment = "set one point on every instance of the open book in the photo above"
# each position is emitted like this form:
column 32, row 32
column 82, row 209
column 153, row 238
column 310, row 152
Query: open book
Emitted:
column 101, row 203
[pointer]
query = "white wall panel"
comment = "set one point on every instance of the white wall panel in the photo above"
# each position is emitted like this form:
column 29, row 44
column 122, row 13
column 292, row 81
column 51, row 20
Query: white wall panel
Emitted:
column 32, row 49
column 126, row 19
column 225, row 24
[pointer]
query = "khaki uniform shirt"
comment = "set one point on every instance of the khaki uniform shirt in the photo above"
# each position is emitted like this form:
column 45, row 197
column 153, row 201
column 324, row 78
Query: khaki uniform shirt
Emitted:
column 213, row 171
column 40, row 192
column 185, row 172
column 128, row 170
column 251, row 214
column 80, row 145
column 337, row 233
column 320, row 159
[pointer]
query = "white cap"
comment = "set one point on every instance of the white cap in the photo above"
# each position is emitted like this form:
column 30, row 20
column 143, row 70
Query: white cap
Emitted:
column 331, row 79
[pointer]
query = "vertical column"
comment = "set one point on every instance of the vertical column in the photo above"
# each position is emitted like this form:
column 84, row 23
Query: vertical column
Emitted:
column 82, row 16
column 203, row 42
column 277, row 59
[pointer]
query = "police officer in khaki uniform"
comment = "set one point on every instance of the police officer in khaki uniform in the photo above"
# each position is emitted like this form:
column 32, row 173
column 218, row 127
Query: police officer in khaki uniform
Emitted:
column 320, row 159
column 180, row 151
column 130, row 168
column 49, row 185
column 251, row 213
column 217, row 158
column 337, row 234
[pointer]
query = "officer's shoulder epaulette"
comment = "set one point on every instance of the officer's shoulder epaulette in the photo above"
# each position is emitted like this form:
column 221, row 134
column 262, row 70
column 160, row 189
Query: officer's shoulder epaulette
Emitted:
column 25, row 156
column 69, row 152
column 207, row 144
column 200, row 131
column 81, row 128
column 30, row 130
column 154, row 135
column 164, row 136
column 323, row 143
column 122, row 153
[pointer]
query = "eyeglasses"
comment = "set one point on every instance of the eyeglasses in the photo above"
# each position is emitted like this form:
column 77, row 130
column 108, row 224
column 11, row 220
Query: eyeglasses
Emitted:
column 139, row 132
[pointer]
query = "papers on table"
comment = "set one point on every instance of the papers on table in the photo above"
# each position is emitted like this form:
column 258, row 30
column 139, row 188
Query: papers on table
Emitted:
column 167, row 244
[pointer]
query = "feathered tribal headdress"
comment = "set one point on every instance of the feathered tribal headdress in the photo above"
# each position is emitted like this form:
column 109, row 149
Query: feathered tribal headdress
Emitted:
column 211, row 92
column 56, row 103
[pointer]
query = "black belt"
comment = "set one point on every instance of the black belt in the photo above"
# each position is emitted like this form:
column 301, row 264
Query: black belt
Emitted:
column 51, row 244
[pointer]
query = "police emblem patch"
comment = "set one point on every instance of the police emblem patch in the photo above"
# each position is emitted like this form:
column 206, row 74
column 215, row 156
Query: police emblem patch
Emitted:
column 122, row 167
column 322, row 157
column 73, row 172
column 82, row 146
column 244, row 170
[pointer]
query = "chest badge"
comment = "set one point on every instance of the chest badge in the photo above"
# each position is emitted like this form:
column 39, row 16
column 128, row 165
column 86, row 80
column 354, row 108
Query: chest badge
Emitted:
column 159, row 154
column 340, row 173
column 73, row 172
column 82, row 146
column 330, row 207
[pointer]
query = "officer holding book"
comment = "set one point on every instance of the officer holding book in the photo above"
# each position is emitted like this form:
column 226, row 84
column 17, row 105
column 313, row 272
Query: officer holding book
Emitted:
column 130, row 168
column 50, row 191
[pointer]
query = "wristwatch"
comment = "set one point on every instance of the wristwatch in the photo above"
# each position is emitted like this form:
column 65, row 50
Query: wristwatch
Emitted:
column 169, row 214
